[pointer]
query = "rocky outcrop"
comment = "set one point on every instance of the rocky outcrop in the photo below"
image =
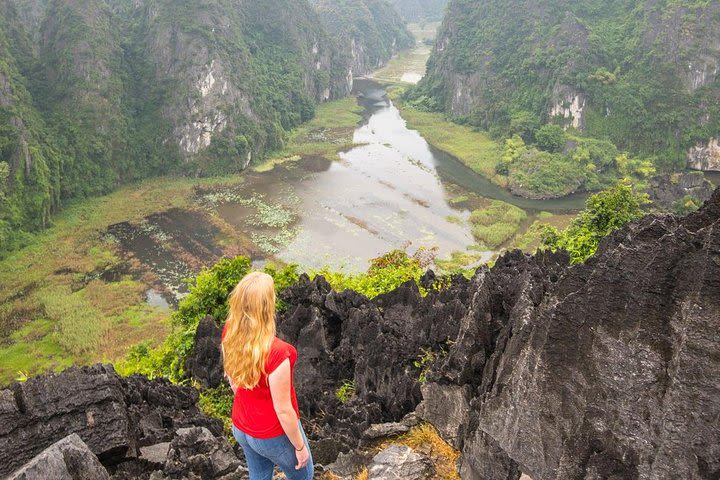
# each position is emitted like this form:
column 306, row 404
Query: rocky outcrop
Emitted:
column 608, row 369
column 605, row 368
column 609, row 372
column 666, row 190
column 568, row 106
column 115, row 417
column 67, row 459
column 399, row 462
column 705, row 157
column 205, row 362
column 600, row 370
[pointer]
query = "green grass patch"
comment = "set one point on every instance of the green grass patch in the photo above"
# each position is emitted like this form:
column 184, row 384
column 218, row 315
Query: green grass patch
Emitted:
column 459, row 262
column 36, row 350
column 496, row 224
column 330, row 132
column 81, row 328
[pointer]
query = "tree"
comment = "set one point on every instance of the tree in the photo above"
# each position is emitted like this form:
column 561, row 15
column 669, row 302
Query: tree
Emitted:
column 604, row 213
column 550, row 138
column 4, row 174
column 524, row 123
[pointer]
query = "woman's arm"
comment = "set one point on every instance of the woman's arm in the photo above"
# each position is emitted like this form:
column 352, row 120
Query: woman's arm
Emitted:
column 227, row 377
column 280, row 381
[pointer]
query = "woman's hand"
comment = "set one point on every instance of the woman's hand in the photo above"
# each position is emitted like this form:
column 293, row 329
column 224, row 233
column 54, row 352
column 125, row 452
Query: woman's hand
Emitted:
column 302, row 457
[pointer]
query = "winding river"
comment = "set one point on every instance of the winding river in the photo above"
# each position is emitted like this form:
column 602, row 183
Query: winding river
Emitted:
column 392, row 190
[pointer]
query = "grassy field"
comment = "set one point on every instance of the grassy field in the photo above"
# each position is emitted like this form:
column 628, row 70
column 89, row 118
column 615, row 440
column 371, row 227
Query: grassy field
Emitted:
column 411, row 61
column 495, row 225
column 55, row 309
column 330, row 132
column 530, row 239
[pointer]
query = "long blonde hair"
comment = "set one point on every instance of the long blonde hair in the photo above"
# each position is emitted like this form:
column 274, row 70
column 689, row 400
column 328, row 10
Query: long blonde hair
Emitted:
column 250, row 329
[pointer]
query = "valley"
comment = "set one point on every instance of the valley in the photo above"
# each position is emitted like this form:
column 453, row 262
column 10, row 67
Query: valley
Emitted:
column 491, row 228
column 353, row 183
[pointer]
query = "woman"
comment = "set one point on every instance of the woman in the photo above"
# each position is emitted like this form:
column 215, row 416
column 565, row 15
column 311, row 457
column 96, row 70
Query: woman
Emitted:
column 260, row 366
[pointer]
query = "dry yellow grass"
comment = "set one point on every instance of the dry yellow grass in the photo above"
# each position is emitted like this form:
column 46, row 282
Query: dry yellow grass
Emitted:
column 362, row 475
column 425, row 439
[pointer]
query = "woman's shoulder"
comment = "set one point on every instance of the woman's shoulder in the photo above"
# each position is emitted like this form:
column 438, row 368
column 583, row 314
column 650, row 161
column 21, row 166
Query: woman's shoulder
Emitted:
column 283, row 346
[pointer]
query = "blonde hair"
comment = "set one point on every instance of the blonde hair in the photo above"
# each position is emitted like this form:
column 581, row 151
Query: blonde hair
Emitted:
column 250, row 329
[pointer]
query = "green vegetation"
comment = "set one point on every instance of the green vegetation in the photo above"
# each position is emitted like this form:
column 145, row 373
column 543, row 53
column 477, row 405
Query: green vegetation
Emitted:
column 385, row 274
column 54, row 305
column 207, row 296
column 217, row 403
column 496, row 224
column 604, row 213
column 686, row 205
column 345, row 391
column 370, row 25
column 327, row 134
column 410, row 63
column 459, row 262
column 425, row 360
column 620, row 61
column 531, row 239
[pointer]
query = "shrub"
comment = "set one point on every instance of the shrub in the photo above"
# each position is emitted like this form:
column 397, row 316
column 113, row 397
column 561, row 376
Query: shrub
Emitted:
column 386, row 273
column 550, row 138
column 345, row 391
column 217, row 403
column 604, row 213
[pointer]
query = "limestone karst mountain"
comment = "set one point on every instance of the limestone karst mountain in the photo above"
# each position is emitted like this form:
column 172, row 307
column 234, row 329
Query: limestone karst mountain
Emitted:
column 95, row 94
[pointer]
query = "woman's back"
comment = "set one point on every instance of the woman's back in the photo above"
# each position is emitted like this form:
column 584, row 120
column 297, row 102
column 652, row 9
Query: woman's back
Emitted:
column 253, row 410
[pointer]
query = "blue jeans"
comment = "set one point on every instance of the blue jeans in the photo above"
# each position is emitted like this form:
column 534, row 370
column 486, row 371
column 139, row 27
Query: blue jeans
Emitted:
column 262, row 454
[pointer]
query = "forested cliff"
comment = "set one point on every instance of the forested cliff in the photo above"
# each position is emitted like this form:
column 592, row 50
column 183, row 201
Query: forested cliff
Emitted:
column 368, row 30
column 640, row 75
column 94, row 93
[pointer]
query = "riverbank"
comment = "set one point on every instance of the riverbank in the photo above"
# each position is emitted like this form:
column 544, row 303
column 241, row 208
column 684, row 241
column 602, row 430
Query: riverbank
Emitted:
column 473, row 148
column 327, row 134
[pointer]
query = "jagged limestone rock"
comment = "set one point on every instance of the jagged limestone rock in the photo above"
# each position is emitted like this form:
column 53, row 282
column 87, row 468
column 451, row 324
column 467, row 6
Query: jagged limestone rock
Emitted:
column 205, row 362
column 114, row 416
column 399, row 462
column 67, row 459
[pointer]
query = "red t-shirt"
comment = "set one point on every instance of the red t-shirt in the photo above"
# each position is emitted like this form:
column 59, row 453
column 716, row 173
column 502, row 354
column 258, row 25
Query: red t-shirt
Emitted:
column 253, row 411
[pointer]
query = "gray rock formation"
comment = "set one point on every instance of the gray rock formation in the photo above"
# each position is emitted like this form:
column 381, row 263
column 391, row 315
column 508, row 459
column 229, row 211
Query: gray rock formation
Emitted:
column 666, row 190
column 196, row 450
column 68, row 459
column 399, row 462
column 608, row 373
column 116, row 417
column 600, row 369
column 205, row 363
column 705, row 156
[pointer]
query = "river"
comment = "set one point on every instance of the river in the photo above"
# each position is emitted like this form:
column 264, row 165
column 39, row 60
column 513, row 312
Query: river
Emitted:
column 392, row 190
